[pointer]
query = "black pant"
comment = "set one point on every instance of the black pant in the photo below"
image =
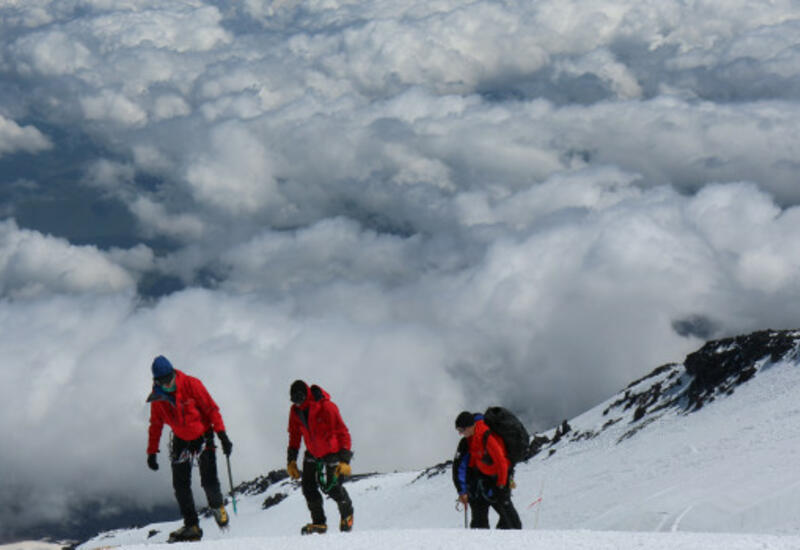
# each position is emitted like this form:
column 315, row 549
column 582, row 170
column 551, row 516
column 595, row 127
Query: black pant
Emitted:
column 311, row 488
column 486, row 494
column 182, row 454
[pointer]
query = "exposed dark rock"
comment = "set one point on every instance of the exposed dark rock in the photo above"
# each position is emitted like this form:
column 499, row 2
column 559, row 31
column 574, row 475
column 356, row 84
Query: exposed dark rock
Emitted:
column 721, row 365
column 650, row 398
column 657, row 371
column 434, row 471
column 715, row 369
column 580, row 436
column 639, row 427
column 537, row 442
column 621, row 401
column 271, row 501
column 610, row 423
column 261, row 483
column 359, row 477
column 561, row 431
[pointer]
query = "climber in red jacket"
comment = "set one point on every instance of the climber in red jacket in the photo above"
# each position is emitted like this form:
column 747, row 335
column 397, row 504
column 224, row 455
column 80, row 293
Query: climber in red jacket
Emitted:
column 183, row 403
column 480, row 473
column 316, row 419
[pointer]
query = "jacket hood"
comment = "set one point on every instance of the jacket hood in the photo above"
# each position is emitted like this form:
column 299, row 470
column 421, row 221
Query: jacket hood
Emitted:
column 315, row 393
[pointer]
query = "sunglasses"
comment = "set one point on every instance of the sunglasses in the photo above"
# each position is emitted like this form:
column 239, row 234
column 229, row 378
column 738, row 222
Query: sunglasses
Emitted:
column 163, row 380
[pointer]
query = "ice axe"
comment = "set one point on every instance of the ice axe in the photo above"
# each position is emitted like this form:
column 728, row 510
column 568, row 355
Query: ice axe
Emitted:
column 465, row 505
column 230, row 482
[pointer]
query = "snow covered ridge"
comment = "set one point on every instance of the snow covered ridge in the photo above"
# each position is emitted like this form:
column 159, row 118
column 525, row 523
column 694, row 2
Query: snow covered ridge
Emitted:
column 710, row 445
column 714, row 370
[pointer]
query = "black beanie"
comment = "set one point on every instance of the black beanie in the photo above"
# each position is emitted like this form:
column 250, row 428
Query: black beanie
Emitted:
column 465, row 419
column 298, row 391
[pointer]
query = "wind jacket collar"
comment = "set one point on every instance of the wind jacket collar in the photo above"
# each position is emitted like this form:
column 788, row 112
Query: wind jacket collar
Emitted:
column 159, row 394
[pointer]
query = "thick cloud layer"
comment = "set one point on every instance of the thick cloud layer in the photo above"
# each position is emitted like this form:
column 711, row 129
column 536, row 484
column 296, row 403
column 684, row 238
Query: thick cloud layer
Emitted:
column 422, row 206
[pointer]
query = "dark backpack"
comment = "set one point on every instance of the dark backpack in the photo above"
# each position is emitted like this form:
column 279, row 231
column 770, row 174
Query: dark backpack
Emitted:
column 506, row 425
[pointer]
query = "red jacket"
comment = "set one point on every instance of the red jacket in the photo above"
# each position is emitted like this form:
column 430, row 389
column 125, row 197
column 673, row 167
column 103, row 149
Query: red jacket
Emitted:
column 490, row 458
column 319, row 423
column 192, row 414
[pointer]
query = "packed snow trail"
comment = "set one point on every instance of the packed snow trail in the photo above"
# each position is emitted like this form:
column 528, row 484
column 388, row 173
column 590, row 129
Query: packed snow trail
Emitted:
column 462, row 539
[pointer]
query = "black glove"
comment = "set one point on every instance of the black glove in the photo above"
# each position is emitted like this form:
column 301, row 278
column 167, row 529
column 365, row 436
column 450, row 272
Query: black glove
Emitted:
column 151, row 462
column 345, row 455
column 227, row 446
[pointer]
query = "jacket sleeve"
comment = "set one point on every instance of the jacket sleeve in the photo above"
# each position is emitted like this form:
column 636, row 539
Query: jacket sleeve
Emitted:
column 339, row 430
column 460, row 464
column 294, row 431
column 154, row 433
column 499, row 460
column 207, row 406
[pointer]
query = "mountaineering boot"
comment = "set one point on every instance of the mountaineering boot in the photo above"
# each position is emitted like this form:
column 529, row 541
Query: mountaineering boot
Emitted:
column 186, row 533
column 312, row 528
column 346, row 524
column 220, row 516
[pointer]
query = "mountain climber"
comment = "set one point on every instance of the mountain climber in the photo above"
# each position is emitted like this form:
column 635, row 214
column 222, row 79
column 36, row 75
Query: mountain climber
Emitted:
column 481, row 473
column 182, row 402
column 315, row 418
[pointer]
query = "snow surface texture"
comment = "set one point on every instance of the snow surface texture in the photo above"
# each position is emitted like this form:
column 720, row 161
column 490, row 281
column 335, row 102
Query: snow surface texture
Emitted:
column 449, row 539
column 31, row 545
column 723, row 475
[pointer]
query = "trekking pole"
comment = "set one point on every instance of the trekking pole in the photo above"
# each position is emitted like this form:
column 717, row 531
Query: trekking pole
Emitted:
column 230, row 482
column 459, row 503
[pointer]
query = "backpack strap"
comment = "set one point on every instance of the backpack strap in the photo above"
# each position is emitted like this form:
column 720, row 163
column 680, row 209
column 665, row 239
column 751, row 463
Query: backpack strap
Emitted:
column 487, row 459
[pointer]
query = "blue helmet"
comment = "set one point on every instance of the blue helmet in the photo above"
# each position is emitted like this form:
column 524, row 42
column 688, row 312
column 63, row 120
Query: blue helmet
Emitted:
column 162, row 367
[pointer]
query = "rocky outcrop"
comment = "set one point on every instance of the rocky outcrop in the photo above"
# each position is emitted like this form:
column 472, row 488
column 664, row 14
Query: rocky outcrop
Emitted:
column 714, row 370
column 721, row 365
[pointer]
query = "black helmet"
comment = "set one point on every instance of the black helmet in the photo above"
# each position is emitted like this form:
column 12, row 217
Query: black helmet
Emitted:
column 465, row 419
column 298, row 392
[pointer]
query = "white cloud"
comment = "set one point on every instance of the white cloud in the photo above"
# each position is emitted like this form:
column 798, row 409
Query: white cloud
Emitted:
column 138, row 259
column 154, row 219
column 332, row 251
column 51, row 53
column 183, row 28
column 113, row 107
column 169, row 106
column 744, row 225
column 448, row 203
column 35, row 14
column 602, row 64
column 32, row 264
column 235, row 174
column 150, row 159
column 14, row 137
column 109, row 175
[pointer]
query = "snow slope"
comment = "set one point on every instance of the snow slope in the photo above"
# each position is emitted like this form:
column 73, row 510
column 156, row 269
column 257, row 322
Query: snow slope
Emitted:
column 452, row 539
column 664, row 463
